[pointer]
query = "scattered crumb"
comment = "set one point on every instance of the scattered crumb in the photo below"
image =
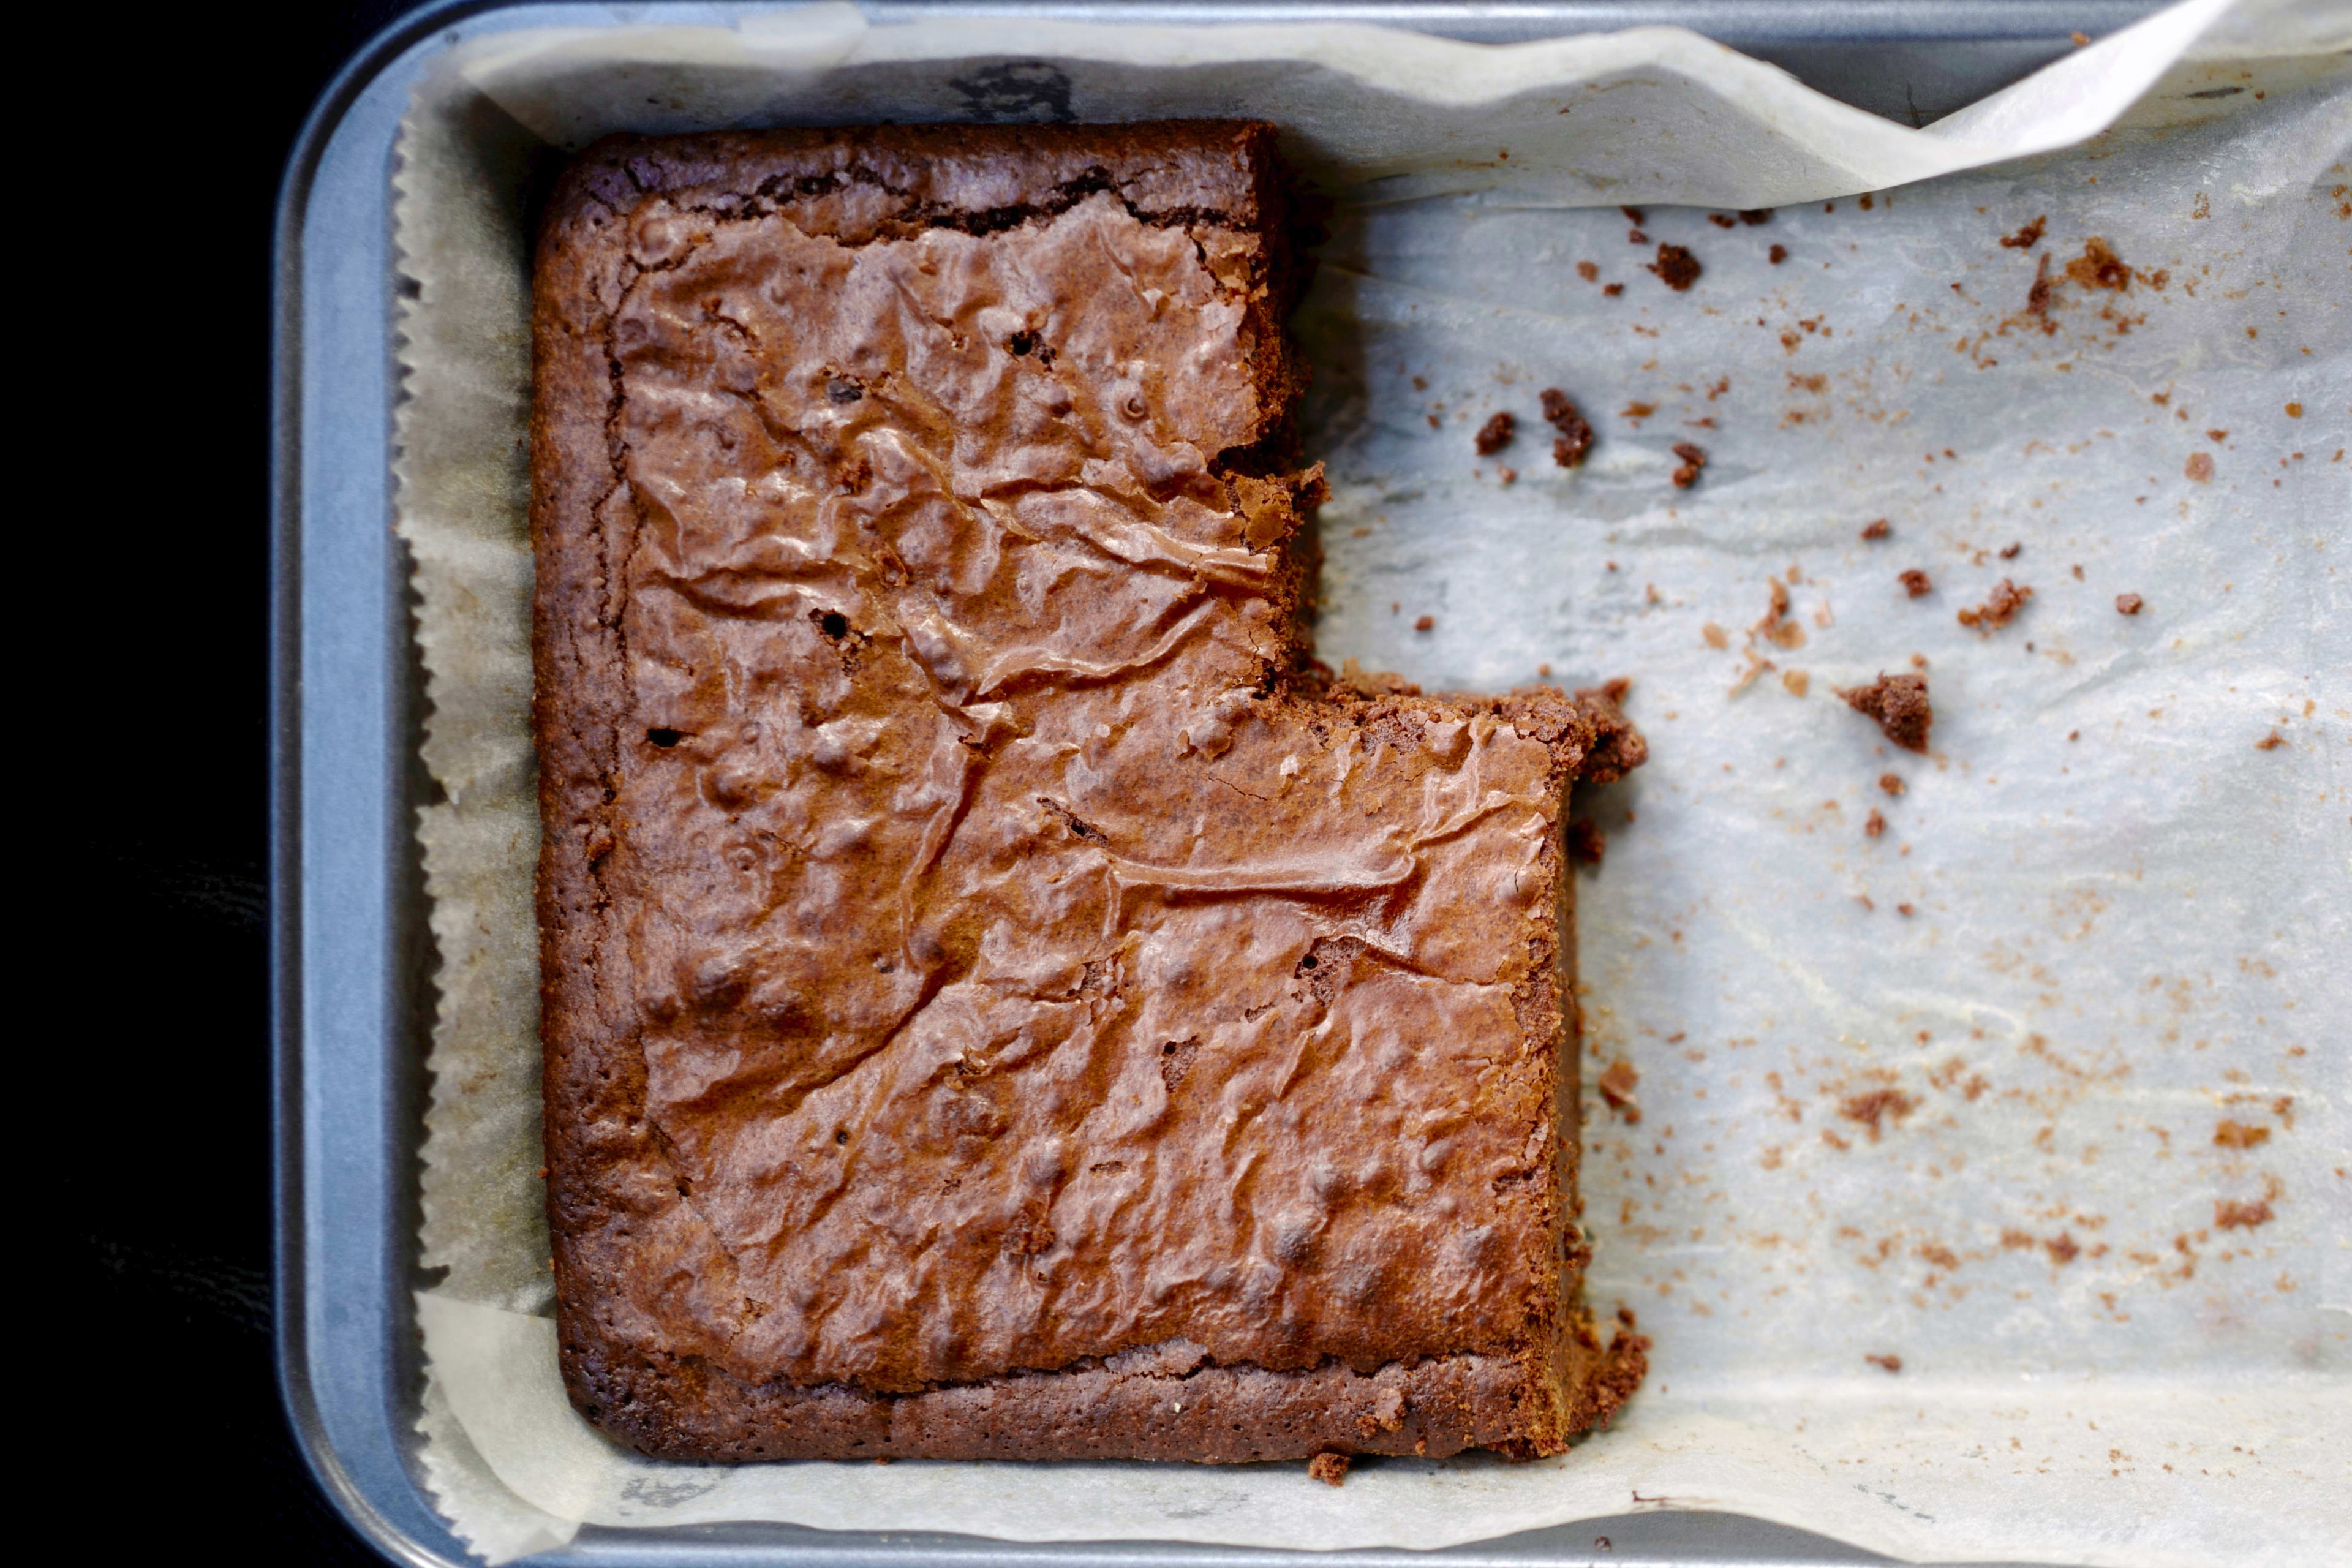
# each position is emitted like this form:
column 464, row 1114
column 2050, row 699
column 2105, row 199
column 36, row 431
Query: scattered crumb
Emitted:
column 1426, row 624
column 1331, row 1469
column 1899, row 703
column 1635, row 216
column 2027, row 237
column 2238, row 1135
column 1874, row 825
column 1495, row 433
column 2078, row 39
column 1612, row 290
column 2037, row 297
column 2062, row 1247
column 1878, row 530
column 1617, row 1084
column 1869, row 1109
column 2199, row 467
column 1914, row 583
column 2000, row 608
column 1589, row 271
column 1893, row 1363
column 2294, row 410
column 1585, row 843
column 1694, row 459
column 1777, row 255
column 1723, row 220
column 2098, row 267
column 1753, row 215
column 2009, row 552
column 1903, row 909
column 1676, row 267
column 1575, row 436
column 2230, row 1214
column 1796, row 681
column 1891, row 783
column 1508, row 475
column 1714, row 635
column 2129, row 604
column 2269, row 742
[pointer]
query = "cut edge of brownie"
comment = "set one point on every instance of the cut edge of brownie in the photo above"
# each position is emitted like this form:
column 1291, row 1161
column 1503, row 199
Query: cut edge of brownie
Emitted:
column 1155, row 1402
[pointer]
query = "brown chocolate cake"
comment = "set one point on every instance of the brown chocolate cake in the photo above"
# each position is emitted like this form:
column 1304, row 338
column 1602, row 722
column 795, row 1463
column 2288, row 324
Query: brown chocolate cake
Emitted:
column 1003, row 998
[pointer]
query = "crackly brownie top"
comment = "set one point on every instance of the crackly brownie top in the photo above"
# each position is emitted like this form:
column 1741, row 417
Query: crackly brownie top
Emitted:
column 1023, row 963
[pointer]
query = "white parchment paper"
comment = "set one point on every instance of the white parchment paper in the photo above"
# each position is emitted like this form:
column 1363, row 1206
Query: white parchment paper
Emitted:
column 2036, row 1094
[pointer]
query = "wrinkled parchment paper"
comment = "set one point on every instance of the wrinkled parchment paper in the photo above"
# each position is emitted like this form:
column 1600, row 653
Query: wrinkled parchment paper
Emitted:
column 1983, row 1176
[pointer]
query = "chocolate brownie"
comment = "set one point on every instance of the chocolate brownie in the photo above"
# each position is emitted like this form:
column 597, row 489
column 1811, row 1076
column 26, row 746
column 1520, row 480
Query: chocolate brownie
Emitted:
column 1001, row 997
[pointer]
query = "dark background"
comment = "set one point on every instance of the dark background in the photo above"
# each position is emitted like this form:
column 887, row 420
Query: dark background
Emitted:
column 172, row 882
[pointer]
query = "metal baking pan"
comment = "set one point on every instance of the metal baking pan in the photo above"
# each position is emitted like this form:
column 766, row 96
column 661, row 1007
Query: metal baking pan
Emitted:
column 352, row 962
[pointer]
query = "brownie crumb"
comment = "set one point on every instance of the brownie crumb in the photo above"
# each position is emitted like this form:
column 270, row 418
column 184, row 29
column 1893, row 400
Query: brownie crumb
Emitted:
column 1723, row 220
column 2269, row 742
column 1496, row 433
column 1756, row 214
column 2238, row 1135
column 1509, row 476
column 1694, row 459
column 2199, row 467
column 1612, row 290
column 1635, row 216
column 1891, row 1363
column 2000, row 608
column 1676, row 267
column 2027, row 237
column 1891, row 783
column 1878, row 530
column 1331, row 1469
column 1585, row 842
column 2099, row 266
column 1869, row 1109
column 1587, row 270
column 1617, row 1084
column 1575, row 435
column 2129, row 604
column 2230, row 1214
column 1874, row 825
column 2063, row 1248
column 1903, row 909
column 1914, row 583
column 2037, row 297
column 1426, row 624
column 2010, row 551
column 1899, row 703
column 1777, row 255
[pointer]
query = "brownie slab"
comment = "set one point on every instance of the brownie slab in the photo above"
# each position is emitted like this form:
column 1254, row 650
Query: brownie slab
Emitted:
column 1001, row 997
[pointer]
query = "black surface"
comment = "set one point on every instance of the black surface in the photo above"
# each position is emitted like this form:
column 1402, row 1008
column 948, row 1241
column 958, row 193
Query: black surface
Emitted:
column 165, row 860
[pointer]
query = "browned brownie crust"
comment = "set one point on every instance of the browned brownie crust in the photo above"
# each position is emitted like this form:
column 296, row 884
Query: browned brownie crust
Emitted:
column 1001, row 998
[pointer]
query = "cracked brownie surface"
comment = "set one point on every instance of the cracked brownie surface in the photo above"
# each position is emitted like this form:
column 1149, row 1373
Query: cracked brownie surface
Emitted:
column 1002, row 998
